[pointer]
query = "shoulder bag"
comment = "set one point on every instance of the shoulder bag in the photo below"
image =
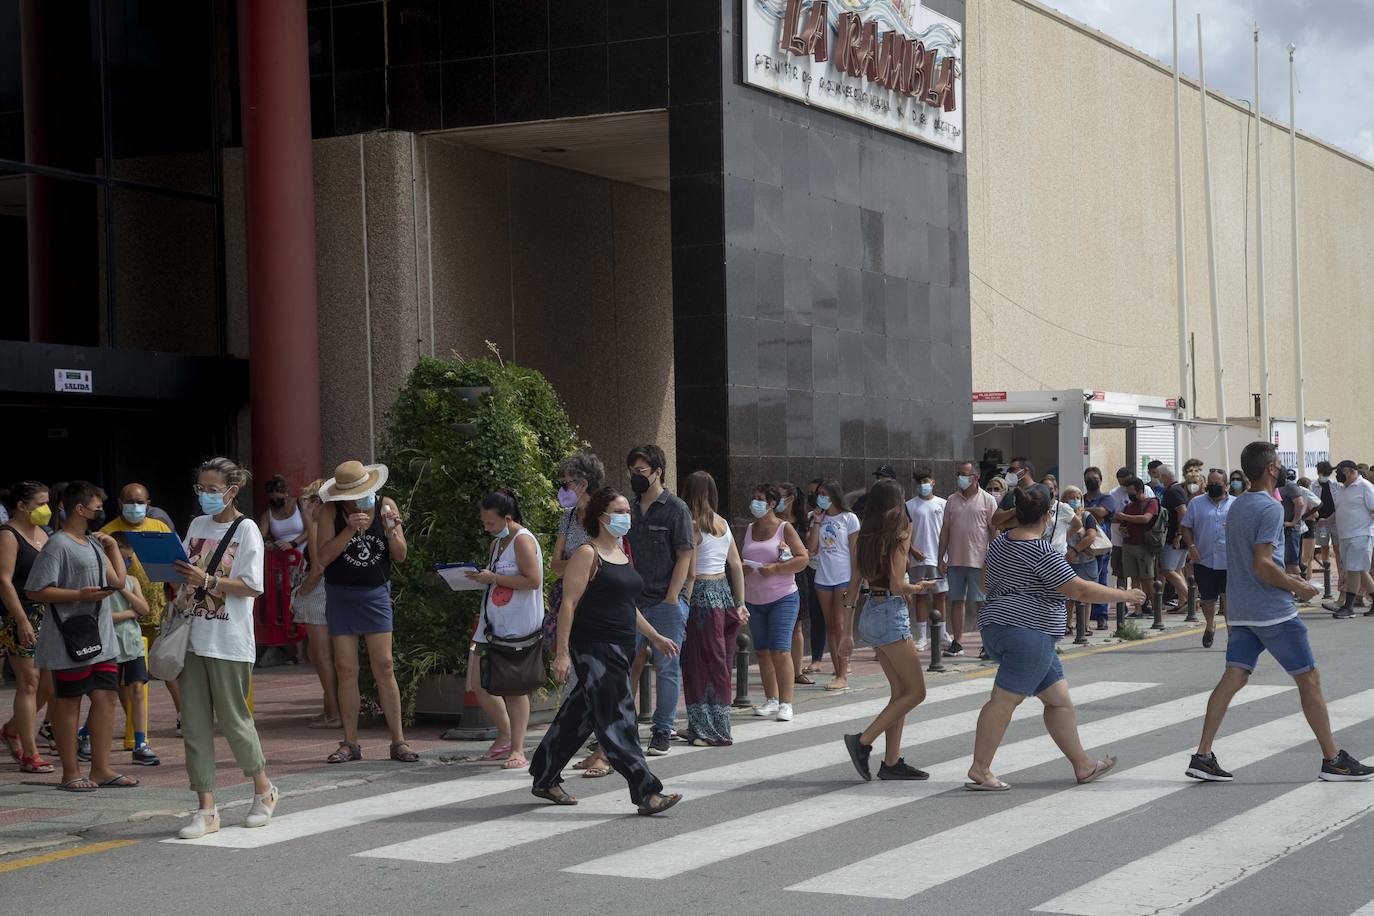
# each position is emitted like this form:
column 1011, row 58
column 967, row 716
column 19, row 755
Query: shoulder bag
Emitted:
column 511, row 666
column 168, row 653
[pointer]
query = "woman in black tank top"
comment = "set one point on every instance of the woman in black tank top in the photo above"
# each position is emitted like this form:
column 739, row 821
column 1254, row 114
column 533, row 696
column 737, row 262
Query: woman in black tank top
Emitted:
column 596, row 636
column 20, row 542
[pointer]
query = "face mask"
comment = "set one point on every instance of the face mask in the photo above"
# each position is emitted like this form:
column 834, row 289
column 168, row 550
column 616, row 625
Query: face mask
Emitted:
column 1074, row 504
column 503, row 533
column 212, row 503
column 1215, row 490
column 567, row 498
column 1192, row 488
column 618, row 523
column 782, row 506
column 758, row 508
column 135, row 513
column 964, row 482
column 96, row 520
column 41, row 516
column 925, row 489
column 366, row 502
column 639, row 483
column 823, row 502
column 1093, row 484
column 278, row 501
column 1237, row 486
column 1012, row 480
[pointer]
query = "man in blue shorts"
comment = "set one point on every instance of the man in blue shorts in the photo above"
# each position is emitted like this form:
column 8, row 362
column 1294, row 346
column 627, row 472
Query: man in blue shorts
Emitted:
column 1261, row 615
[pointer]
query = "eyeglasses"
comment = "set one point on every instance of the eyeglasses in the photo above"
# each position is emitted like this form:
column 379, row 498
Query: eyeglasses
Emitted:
column 208, row 491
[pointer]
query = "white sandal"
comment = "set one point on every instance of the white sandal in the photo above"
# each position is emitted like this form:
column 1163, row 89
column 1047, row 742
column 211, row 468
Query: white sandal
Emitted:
column 202, row 824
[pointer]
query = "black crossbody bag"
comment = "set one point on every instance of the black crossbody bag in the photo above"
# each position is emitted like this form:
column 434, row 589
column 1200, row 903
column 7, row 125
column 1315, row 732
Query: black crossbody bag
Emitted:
column 81, row 632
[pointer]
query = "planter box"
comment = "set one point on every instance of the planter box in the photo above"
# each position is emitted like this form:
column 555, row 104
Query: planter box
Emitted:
column 441, row 697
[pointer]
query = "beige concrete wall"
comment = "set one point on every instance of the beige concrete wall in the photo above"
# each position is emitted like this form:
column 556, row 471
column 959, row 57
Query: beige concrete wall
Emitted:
column 1071, row 229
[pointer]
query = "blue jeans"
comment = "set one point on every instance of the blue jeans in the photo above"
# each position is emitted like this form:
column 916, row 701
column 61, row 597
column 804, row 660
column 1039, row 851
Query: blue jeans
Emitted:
column 670, row 620
column 1104, row 566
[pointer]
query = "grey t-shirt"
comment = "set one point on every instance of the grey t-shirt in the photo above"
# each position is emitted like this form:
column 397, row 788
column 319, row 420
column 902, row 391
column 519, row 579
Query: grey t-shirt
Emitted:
column 574, row 535
column 67, row 563
column 1254, row 519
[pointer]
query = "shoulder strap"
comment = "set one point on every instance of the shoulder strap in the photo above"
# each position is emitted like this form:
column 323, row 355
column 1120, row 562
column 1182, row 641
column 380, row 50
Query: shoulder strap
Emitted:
column 99, row 560
column 219, row 552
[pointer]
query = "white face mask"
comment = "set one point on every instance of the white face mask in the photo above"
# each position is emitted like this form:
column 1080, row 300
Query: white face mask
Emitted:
column 1192, row 488
column 1012, row 480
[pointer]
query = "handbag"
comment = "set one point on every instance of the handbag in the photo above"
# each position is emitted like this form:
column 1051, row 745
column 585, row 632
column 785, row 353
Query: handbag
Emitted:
column 81, row 632
column 1101, row 545
column 167, row 656
column 511, row 666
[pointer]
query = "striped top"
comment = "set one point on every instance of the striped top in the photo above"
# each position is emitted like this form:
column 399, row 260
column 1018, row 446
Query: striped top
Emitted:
column 1022, row 580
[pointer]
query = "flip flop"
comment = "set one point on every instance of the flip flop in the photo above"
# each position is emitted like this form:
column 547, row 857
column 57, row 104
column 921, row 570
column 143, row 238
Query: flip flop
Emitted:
column 120, row 781
column 803, row 680
column 1103, row 767
column 496, row 752
column 80, row 784
column 833, row 686
column 998, row 786
column 515, row 762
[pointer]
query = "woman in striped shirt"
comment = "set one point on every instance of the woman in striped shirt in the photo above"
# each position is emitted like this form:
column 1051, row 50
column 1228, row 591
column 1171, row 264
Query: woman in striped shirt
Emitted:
column 1026, row 581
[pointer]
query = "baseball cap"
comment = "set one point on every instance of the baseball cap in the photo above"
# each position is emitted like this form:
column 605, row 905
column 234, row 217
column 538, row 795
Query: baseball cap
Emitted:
column 885, row 470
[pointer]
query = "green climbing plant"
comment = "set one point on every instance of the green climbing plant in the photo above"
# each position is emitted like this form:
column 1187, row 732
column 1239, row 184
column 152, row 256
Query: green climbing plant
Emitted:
column 447, row 447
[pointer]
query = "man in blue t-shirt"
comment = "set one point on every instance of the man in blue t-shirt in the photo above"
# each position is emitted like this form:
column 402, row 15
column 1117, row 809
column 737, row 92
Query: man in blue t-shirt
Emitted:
column 1262, row 616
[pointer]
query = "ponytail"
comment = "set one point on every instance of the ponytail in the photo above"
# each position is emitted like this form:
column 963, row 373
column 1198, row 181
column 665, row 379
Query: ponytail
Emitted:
column 503, row 503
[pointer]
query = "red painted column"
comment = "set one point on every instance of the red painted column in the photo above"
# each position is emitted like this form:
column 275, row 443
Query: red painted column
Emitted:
column 279, row 202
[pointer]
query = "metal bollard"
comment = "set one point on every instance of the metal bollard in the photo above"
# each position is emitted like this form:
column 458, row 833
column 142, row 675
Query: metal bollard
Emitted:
column 646, row 689
column 1158, row 604
column 1120, row 614
column 1326, row 578
column 1192, row 601
column 935, row 620
column 1080, row 614
column 742, row 670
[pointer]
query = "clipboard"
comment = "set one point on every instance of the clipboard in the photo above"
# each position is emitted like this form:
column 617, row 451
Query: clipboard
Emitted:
column 455, row 576
column 157, row 551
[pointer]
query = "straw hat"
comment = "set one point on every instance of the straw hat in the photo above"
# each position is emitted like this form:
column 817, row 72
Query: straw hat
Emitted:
column 353, row 480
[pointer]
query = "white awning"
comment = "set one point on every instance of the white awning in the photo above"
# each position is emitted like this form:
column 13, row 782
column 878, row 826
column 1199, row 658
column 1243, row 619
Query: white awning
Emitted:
column 1011, row 419
column 1146, row 420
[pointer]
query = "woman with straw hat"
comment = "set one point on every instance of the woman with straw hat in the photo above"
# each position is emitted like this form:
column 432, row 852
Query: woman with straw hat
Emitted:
column 356, row 540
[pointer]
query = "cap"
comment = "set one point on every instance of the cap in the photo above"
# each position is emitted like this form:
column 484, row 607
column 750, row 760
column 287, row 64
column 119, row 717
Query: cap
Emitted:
column 885, row 470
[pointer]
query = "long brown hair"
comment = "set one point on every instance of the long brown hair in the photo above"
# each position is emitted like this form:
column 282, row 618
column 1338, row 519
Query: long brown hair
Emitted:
column 699, row 493
column 880, row 532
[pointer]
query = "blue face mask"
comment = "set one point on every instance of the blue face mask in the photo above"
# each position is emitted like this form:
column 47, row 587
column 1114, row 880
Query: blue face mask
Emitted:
column 964, row 482
column 758, row 508
column 212, row 503
column 925, row 489
column 618, row 523
column 782, row 507
column 1074, row 504
column 503, row 533
column 366, row 502
column 135, row 513
column 1237, row 486
column 823, row 503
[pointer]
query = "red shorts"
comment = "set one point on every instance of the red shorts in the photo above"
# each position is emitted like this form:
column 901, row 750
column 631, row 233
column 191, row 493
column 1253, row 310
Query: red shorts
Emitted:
column 79, row 682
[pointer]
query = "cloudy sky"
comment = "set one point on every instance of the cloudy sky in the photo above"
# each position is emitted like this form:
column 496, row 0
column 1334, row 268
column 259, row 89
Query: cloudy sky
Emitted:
column 1335, row 57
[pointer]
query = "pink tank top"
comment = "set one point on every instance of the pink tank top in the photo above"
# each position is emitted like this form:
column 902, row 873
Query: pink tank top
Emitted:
column 760, row 589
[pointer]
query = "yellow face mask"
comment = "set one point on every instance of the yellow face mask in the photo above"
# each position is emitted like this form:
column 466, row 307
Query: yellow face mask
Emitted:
column 41, row 516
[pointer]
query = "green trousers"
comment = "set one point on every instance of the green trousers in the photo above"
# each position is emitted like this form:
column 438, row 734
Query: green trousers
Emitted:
column 212, row 688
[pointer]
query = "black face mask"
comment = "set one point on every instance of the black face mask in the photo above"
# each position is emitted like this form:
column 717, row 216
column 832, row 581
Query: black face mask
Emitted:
column 97, row 520
column 1093, row 484
column 278, row 501
column 639, row 483
column 1215, row 490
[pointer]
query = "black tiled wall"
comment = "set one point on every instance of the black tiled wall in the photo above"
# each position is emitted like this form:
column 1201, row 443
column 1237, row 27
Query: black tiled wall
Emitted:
column 820, row 286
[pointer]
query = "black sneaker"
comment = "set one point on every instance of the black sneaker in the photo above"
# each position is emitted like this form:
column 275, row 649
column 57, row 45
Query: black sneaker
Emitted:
column 901, row 770
column 1344, row 768
column 1206, row 768
column 658, row 744
column 144, row 756
column 954, row 649
column 1336, row 608
column 858, row 752
column 83, row 747
column 1207, row 638
column 45, row 732
column 1344, row 613
column 1369, row 613
column 983, row 655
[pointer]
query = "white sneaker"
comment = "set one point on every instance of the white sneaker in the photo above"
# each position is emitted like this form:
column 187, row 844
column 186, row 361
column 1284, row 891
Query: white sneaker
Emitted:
column 784, row 712
column 202, row 823
column 768, row 709
column 922, row 645
column 263, row 806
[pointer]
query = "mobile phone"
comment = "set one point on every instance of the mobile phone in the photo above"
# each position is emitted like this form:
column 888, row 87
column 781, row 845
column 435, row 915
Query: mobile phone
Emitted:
column 107, row 588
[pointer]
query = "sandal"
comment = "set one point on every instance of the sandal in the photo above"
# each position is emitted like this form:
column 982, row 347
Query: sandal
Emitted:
column 649, row 809
column 79, row 784
column 401, row 753
column 996, row 785
column 803, row 680
column 120, row 781
column 16, row 748
column 515, row 761
column 496, row 752
column 322, row 722
column 345, row 753
column 34, row 764
column 554, row 794
column 596, row 772
column 1100, row 769
column 586, row 763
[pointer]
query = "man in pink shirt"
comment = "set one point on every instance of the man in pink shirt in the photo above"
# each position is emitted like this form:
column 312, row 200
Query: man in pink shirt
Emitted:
column 963, row 547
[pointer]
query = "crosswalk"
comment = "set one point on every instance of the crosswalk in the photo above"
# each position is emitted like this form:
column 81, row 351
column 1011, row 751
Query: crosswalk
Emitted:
column 880, row 829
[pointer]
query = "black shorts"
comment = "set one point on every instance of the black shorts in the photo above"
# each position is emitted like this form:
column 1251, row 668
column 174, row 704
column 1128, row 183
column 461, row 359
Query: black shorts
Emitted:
column 134, row 671
column 81, row 682
column 1210, row 582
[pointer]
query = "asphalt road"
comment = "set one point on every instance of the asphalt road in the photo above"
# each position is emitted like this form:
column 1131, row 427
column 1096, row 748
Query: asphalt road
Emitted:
column 779, row 823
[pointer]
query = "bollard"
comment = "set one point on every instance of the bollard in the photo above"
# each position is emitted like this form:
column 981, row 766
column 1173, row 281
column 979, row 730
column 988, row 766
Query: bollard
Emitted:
column 1080, row 624
column 646, row 690
column 1120, row 614
column 1158, row 604
column 1192, row 601
column 742, row 670
column 935, row 620
column 474, row 725
column 1326, row 578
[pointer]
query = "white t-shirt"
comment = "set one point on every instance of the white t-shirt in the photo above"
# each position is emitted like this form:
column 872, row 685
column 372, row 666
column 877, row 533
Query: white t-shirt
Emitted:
column 1057, row 528
column 223, row 627
column 927, row 515
column 1354, row 509
column 512, row 612
column 1119, row 500
column 834, row 548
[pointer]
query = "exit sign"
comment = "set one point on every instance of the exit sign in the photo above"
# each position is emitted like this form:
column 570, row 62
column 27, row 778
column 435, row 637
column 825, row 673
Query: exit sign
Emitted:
column 72, row 380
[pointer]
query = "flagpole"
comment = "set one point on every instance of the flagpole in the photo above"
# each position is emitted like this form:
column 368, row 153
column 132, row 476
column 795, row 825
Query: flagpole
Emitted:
column 1185, row 369
column 1266, row 424
column 1297, row 283
column 1220, row 372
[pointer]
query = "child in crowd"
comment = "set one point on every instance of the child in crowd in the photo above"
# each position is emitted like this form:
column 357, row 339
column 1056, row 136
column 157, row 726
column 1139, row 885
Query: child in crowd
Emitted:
column 129, row 606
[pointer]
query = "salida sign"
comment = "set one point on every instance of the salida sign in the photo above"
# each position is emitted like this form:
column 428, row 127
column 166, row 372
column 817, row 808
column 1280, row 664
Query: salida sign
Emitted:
column 890, row 63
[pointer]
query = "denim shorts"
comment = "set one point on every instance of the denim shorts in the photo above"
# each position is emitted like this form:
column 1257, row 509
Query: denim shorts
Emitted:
column 1292, row 546
column 1027, row 663
column 771, row 624
column 1286, row 641
column 964, row 583
column 884, row 621
column 837, row 587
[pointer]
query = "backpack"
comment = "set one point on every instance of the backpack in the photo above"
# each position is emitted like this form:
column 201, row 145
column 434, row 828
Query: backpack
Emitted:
column 1153, row 537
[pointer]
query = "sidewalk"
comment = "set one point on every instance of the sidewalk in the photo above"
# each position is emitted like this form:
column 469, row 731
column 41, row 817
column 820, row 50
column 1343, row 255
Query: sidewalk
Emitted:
column 33, row 814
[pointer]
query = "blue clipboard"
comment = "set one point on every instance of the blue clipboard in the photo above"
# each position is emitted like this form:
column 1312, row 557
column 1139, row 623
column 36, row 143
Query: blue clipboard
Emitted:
column 157, row 551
